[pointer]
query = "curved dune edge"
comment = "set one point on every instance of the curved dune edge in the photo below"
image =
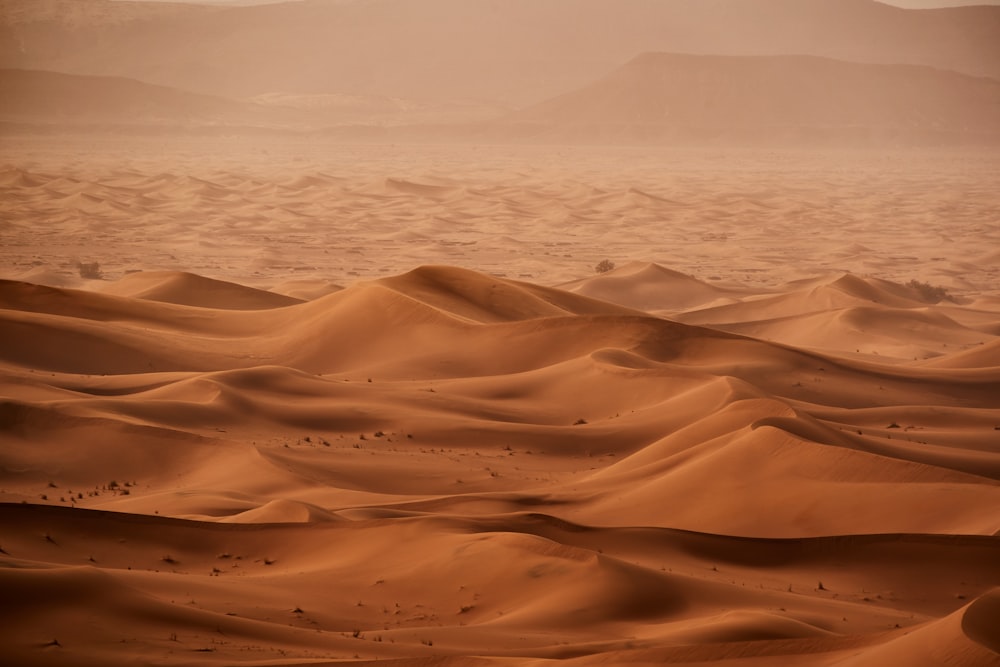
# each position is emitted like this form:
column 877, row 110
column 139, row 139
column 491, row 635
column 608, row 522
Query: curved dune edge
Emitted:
column 188, row 289
column 963, row 637
column 533, row 587
column 445, row 464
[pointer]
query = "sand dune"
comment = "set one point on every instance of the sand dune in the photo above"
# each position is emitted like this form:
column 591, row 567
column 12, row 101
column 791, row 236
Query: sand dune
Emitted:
column 572, row 478
column 651, row 287
column 191, row 290
column 265, row 213
column 849, row 314
column 311, row 405
column 473, row 333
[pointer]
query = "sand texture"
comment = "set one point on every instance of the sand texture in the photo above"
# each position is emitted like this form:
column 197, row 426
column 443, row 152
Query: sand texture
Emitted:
column 496, row 333
column 317, row 404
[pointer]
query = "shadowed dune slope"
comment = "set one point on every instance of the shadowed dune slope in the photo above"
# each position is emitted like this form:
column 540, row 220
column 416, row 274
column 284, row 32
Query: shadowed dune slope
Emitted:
column 448, row 467
column 648, row 287
column 187, row 289
column 549, row 579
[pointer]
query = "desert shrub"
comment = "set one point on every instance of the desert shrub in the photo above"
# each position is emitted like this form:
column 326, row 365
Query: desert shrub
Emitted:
column 604, row 266
column 90, row 270
column 928, row 292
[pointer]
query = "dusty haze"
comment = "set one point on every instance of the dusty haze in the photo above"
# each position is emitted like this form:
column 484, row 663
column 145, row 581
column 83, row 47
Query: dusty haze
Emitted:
column 467, row 332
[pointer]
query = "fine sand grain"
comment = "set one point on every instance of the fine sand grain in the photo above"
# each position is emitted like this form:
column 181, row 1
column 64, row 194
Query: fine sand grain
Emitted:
column 322, row 403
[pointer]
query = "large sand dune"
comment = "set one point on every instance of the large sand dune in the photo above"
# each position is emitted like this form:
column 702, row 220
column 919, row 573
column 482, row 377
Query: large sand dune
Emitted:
column 569, row 478
column 451, row 333
column 683, row 464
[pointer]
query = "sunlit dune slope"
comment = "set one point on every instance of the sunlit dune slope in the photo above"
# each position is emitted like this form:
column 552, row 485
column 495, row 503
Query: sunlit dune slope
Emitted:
column 444, row 464
column 187, row 289
column 563, row 374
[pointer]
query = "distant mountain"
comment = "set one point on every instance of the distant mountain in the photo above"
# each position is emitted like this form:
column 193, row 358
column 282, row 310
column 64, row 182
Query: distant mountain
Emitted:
column 515, row 52
column 42, row 98
column 71, row 100
column 765, row 99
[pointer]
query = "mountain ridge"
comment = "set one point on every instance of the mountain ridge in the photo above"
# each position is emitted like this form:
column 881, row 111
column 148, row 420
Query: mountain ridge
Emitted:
column 516, row 53
column 672, row 97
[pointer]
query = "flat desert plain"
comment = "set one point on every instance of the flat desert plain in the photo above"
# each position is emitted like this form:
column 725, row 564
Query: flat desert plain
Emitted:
column 299, row 402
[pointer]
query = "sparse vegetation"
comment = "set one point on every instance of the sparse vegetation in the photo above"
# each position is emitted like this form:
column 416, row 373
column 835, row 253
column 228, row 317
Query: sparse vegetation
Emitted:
column 604, row 266
column 929, row 293
column 90, row 270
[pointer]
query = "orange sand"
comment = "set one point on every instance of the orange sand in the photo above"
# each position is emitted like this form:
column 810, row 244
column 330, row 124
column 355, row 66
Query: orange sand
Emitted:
column 717, row 458
column 304, row 359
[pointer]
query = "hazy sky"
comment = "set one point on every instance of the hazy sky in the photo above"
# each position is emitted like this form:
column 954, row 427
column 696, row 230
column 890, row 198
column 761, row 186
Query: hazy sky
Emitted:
column 917, row 4
column 921, row 4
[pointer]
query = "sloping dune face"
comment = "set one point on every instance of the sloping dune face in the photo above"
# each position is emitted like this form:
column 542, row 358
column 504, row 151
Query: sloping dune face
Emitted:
column 444, row 464
column 496, row 333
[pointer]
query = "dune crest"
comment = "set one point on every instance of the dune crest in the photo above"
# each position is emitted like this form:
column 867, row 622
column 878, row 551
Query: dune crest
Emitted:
column 573, row 477
column 278, row 387
column 490, row 333
column 191, row 290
